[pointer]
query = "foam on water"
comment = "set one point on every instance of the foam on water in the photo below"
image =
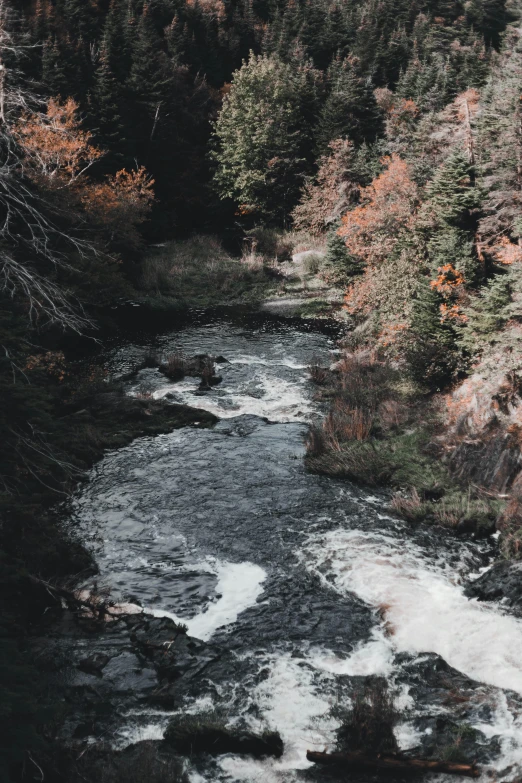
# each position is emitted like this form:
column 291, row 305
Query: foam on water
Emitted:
column 507, row 727
column 239, row 586
column 270, row 397
column 424, row 607
column 374, row 657
column 288, row 700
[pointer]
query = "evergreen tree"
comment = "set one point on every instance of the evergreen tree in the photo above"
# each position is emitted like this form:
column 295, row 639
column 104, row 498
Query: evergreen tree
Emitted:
column 453, row 202
column 350, row 110
column 54, row 71
column 431, row 350
column 340, row 266
column 486, row 315
column 116, row 39
column 263, row 146
column 106, row 103
column 81, row 18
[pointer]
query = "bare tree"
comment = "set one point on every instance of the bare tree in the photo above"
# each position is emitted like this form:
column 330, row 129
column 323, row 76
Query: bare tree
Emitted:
column 29, row 230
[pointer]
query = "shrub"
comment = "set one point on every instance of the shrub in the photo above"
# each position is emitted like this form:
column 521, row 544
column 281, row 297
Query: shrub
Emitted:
column 270, row 243
column 312, row 264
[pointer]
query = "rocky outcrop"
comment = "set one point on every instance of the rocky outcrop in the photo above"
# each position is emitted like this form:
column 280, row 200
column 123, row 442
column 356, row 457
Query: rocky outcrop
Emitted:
column 167, row 646
column 149, row 761
column 483, row 441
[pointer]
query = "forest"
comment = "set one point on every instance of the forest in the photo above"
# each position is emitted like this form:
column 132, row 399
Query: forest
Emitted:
column 181, row 153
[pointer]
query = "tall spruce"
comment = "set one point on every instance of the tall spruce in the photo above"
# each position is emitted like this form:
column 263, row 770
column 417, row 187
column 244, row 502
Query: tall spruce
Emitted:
column 350, row 110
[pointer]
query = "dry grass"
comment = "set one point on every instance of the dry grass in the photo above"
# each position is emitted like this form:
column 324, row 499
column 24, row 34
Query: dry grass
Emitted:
column 199, row 270
column 174, row 365
column 393, row 414
column 318, row 374
column 410, row 508
column 344, row 423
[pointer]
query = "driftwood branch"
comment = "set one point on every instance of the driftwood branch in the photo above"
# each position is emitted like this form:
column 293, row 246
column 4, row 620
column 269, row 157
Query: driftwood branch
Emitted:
column 392, row 764
column 94, row 603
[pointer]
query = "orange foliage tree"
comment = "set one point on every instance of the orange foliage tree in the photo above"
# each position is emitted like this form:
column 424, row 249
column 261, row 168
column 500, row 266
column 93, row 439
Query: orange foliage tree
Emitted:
column 57, row 151
column 387, row 210
column 58, row 155
column 380, row 232
column 333, row 190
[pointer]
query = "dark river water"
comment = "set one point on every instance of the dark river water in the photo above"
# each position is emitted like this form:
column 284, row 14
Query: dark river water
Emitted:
column 306, row 583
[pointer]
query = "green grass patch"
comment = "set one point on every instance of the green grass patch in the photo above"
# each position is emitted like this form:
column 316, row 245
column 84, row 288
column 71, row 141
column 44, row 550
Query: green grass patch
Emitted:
column 198, row 272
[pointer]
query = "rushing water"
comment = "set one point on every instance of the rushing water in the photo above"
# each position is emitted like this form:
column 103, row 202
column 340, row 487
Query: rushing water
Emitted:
column 305, row 583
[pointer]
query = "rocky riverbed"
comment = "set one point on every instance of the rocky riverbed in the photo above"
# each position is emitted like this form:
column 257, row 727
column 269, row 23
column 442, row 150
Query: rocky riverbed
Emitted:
column 258, row 598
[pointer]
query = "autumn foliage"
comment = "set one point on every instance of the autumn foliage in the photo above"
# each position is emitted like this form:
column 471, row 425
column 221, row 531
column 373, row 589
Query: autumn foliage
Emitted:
column 334, row 189
column 59, row 156
column 387, row 209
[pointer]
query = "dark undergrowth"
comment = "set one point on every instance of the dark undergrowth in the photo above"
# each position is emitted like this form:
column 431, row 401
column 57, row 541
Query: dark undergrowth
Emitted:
column 368, row 726
column 382, row 430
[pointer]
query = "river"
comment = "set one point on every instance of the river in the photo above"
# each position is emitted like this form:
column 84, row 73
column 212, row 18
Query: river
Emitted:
column 305, row 584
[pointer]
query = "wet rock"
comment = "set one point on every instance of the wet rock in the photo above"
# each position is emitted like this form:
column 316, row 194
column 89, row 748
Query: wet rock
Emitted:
column 450, row 705
column 148, row 761
column 94, row 664
column 172, row 653
column 458, row 741
column 221, row 360
column 207, row 382
column 172, row 373
column 191, row 735
column 503, row 582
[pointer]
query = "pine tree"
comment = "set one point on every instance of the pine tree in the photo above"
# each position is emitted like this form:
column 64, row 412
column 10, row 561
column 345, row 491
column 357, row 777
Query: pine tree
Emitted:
column 54, row 69
column 116, row 39
column 340, row 266
column 106, row 104
column 453, row 202
column 431, row 351
column 150, row 78
column 81, row 18
column 486, row 315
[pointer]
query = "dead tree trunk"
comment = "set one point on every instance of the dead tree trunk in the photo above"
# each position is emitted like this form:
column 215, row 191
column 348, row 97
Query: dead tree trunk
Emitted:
column 392, row 764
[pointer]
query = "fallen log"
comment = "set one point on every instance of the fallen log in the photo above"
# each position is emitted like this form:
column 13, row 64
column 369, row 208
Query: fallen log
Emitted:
column 392, row 764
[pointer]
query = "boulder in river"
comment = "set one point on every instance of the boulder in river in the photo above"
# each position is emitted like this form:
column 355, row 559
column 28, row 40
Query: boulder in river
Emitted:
column 502, row 582
column 171, row 651
column 94, row 664
column 193, row 734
